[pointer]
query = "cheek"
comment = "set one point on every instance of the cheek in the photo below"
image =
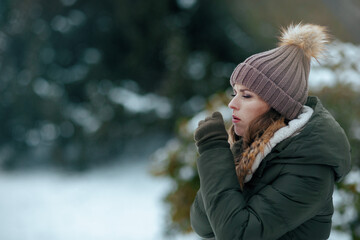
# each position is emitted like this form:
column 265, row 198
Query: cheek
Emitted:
column 261, row 109
column 253, row 111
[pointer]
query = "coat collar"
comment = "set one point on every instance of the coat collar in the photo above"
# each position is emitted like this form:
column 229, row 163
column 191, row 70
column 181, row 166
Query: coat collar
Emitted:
column 292, row 129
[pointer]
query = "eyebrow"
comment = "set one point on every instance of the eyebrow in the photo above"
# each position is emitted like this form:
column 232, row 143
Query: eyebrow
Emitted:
column 245, row 89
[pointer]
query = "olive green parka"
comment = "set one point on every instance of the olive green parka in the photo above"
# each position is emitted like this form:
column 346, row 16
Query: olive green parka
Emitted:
column 289, row 195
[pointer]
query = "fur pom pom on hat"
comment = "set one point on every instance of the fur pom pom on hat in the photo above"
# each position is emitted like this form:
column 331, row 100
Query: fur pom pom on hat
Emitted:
column 310, row 38
column 280, row 76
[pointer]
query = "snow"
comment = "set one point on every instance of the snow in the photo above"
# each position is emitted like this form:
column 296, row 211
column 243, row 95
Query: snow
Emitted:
column 121, row 201
column 116, row 202
column 136, row 103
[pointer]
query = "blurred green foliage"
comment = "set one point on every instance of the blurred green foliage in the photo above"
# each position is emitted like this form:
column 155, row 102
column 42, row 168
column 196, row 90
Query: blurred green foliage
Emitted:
column 81, row 79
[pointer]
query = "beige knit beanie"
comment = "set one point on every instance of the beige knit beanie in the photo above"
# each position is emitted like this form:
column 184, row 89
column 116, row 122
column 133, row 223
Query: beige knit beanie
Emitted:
column 280, row 76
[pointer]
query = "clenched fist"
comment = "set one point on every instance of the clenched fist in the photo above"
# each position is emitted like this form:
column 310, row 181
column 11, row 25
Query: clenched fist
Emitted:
column 210, row 130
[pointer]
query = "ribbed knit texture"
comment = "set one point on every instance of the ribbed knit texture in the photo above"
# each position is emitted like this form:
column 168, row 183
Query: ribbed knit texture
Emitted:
column 279, row 76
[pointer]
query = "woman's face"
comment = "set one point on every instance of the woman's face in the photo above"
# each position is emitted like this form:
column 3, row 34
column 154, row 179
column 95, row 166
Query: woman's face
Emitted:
column 246, row 106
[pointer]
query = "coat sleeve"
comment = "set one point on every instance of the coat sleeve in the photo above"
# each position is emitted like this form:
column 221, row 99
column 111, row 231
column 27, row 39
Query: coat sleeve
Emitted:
column 199, row 219
column 277, row 209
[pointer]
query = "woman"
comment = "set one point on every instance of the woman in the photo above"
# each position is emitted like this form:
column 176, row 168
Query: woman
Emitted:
column 273, row 178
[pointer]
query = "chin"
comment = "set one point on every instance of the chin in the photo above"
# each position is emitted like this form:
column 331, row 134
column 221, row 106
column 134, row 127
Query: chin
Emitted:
column 239, row 132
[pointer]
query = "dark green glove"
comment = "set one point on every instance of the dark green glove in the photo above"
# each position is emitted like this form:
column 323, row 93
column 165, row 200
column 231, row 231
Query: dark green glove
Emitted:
column 211, row 133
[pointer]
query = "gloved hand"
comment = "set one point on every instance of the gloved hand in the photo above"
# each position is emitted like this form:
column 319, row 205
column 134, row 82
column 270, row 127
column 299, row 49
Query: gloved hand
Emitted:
column 210, row 130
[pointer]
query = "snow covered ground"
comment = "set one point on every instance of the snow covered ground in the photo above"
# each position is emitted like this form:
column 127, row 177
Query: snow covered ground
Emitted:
column 116, row 202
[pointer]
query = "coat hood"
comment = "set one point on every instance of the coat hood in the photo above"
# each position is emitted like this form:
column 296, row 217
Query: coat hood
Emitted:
column 322, row 141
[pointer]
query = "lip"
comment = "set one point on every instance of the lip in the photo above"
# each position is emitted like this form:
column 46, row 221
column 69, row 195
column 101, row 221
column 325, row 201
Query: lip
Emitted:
column 235, row 119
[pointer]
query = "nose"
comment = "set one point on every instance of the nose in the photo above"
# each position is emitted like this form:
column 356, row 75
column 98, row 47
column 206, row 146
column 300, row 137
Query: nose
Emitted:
column 233, row 104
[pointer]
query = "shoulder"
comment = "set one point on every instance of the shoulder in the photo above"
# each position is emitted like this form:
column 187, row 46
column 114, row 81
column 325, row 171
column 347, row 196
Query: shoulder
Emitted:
column 322, row 142
column 323, row 132
column 322, row 122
